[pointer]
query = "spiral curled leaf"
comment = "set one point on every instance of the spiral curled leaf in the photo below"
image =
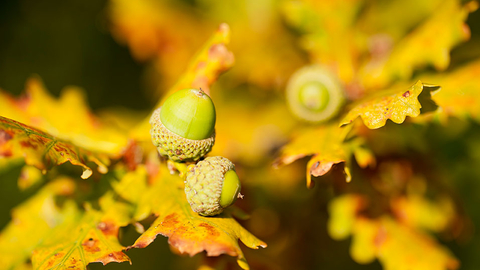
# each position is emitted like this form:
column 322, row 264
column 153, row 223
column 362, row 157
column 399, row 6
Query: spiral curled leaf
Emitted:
column 314, row 94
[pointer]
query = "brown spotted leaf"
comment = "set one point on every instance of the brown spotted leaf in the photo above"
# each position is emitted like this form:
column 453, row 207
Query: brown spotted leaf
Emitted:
column 67, row 117
column 85, row 237
column 188, row 232
column 391, row 104
column 43, row 150
column 213, row 59
column 325, row 143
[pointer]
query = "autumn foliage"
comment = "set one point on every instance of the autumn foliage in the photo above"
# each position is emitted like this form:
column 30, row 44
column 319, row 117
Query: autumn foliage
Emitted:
column 390, row 181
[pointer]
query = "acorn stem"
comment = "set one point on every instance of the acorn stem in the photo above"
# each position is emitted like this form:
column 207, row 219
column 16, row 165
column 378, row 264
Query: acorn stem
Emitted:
column 181, row 168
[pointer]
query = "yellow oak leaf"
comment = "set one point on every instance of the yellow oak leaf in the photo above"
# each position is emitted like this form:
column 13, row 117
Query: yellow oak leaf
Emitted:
column 416, row 211
column 31, row 223
column 343, row 211
column 188, row 232
column 428, row 44
column 250, row 136
column 44, row 151
column 68, row 118
column 85, row 237
column 326, row 25
column 391, row 104
column 387, row 19
column 459, row 96
column 29, row 176
column 325, row 143
column 395, row 244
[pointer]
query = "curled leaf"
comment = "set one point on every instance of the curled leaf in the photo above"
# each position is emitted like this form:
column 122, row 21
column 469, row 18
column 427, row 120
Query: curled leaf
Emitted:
column 394, row 105
column 44, row 151
column 325, row 143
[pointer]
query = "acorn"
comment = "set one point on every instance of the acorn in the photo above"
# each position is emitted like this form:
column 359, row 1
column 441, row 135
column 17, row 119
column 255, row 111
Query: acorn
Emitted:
column 212, row 185
column 314, row 94
column 184, row 127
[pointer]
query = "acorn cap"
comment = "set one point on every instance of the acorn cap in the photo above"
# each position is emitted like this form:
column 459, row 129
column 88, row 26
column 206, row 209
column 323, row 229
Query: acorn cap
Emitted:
column 314, row 94
column 174, row 146
column 212, row 185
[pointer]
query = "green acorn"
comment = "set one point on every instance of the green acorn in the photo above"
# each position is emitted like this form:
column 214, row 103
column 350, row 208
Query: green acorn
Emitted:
column 212, row 185
column 314, row 94
column 184, row 127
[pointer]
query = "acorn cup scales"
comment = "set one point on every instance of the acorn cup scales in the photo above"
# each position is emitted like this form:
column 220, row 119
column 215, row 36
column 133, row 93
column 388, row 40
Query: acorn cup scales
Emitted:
column 184, row 127
column 212, row 185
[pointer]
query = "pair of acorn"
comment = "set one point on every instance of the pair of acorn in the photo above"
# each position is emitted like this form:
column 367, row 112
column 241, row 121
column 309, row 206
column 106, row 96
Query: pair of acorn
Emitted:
column 183, row 130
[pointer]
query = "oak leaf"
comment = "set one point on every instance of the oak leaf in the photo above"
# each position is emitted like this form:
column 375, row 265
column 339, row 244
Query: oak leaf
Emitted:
column 32, row 221
column 188, row 232
column 68, row 117
column 394, row 244
column 325, row 26
column 325, row 143
column 459, row 96
column 43, row 150
column 429, row 43
column 391, row 104
column 85, row 237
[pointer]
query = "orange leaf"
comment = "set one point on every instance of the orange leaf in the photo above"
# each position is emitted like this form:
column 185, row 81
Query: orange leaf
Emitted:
column 43, row 150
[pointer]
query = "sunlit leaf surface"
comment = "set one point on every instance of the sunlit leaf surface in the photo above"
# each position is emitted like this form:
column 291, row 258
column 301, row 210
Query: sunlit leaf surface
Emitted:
column 32, row 222
column 325, row 143
column 389, row 214
column 43, row 150
column 459, row 96
column 395, row 106
column 68, row 118
column 85, row 237
column 429, row 44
